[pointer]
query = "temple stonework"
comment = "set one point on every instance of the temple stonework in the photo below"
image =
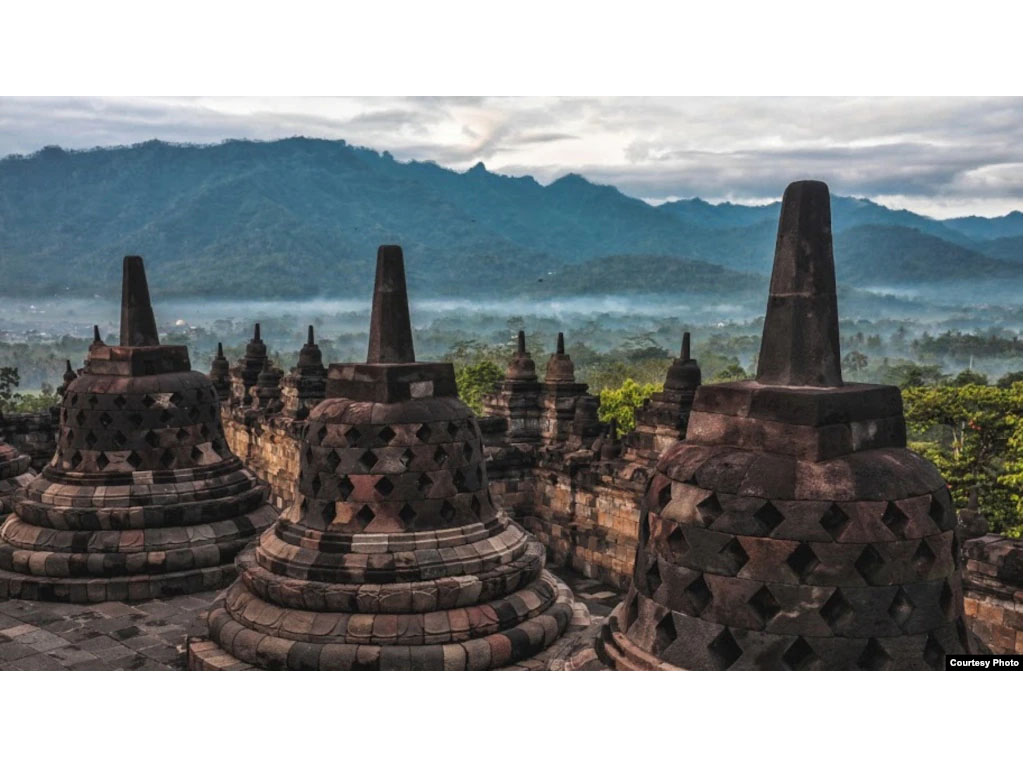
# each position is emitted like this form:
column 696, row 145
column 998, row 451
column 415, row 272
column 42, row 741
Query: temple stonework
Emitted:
column 392, row 554
column 792, row 529
column 143, row 497
column 15, row 473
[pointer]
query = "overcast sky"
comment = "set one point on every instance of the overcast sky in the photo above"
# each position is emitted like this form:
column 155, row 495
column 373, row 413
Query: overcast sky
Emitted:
column 939, row 156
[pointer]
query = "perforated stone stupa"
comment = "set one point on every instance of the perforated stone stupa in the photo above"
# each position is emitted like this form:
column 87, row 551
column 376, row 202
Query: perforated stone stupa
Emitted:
column 15, row 474
column 393, row 555
column 143, row 498
column 792, row 529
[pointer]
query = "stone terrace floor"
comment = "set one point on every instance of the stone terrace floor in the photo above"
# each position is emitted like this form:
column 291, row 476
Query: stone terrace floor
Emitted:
column 151, row 635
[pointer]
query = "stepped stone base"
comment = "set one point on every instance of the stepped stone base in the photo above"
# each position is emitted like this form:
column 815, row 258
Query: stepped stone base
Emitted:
column 542, row 641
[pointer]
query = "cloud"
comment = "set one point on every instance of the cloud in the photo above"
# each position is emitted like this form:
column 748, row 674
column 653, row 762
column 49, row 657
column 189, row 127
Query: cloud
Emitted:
column 938, row 155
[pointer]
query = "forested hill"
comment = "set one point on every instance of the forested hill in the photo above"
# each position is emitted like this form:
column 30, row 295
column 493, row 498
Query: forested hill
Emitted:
column 303, row 217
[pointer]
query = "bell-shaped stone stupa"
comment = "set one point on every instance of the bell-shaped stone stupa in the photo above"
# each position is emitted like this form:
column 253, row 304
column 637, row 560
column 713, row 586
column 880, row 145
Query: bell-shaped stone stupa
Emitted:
column 393, row 555
column 792, row 528
column 143, row 498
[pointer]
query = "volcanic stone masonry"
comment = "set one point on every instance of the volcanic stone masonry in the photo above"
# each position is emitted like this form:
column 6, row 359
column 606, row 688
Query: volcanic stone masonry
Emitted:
column 15, row 474
column 392, row 555
column 142, row 498
column 792, row 529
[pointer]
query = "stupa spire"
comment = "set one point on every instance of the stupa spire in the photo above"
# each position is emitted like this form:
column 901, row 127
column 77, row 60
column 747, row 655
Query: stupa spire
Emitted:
column 560, row 345
column 309, row 336
column 800, row 343
column 684, row 353
column 390, row 328
column 138, row 326
column 521, row 344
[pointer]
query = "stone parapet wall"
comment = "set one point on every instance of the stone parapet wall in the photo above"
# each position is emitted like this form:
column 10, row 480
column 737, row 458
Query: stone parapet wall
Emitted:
column 992, row 591
column 34, row 434
column 585, row 510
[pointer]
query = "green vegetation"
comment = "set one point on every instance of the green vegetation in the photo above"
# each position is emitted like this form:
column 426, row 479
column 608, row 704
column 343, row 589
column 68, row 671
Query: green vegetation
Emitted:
column 621, row 403
column 23, row 402
column 972, row 433
column 476, row 380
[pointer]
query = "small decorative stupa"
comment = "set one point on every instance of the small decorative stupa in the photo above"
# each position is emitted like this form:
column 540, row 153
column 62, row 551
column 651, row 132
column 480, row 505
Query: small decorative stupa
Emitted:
column 246, row 373
column 560, row 396
column 792, row 528
column 393, row 555
column 266, row 393
column 220, row 375
column 142, row 498
column 516, row 406
column 306, row 385
column 662, row 420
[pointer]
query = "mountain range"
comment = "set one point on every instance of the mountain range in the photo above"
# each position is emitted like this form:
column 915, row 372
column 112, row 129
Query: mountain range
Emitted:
column 303, row 217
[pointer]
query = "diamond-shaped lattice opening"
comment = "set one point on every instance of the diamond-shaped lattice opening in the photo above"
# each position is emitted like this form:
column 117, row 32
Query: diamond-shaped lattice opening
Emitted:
column 309, row 455
column 331, row 460
column 102, row 461
column 330, row 512
column 835, row 609
column 460, row 481
column 408, row 516
column 204, row 431
column 321, row 434
column 871, row 566
column 653, row 577
column 725, row 650
column 835, row 521
column 424, row 482
column 895, row 519
column 105, row 418
column 664, row 633
column 475, row 506
column 90, row 438
column 134, row 460
column 424, row 433
column 166, row 415
column 153, row 439
column 447, row 512
column 384, row 486
column 119, row 438
column 934, row 654
column 407, row 457
column 93, row 400
column 80, row 418
column 315, row 484
column 440, row 456
column 387, row 434
column 733, row 556
column 699, row 595
column 453, row 429
column 74, row 399
column 803, row 560
column 709, row 509
column 874, row 656
column 677, row 542
column 193, row 413
column 352, row 436
column 148, row 401
column 345, row 488
column 769, row 517
column 946, row 600
column 136, row 419
column 799, row 655
column 765, row 605
column 924, row 559
column 76, row 459
column 955, row 553
column 120, row 401
column 937, row 511
column 467, row 451
column 364, row 517
column 665, row 495
column 901, row 608
column 368, row 460
column 182, row 433
column 176, row 398
column 167, row 459
column 71, row 435
column 195, row 453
